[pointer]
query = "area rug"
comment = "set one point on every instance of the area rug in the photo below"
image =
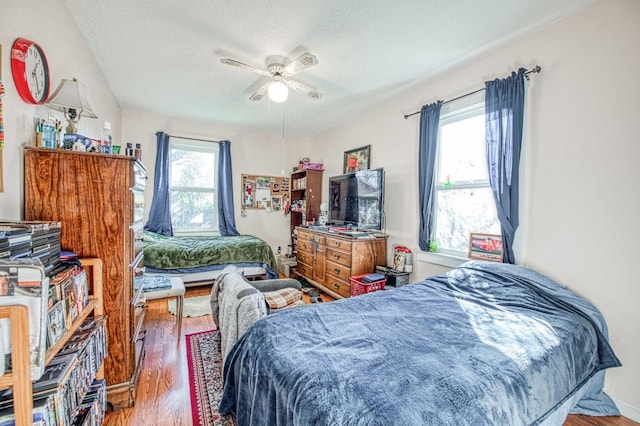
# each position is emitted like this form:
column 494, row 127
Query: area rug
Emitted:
column 205, row 379
column 193, row 306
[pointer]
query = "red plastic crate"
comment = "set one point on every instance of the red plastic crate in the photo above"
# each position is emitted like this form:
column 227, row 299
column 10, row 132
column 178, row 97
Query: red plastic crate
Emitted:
column 358, row 287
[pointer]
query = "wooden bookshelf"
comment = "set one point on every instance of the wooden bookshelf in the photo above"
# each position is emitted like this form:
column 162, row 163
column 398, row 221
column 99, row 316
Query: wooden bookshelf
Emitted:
column 20, row 377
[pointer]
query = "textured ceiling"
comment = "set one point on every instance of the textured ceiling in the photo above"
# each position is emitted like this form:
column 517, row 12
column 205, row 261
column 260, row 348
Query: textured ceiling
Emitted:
column 163, row 56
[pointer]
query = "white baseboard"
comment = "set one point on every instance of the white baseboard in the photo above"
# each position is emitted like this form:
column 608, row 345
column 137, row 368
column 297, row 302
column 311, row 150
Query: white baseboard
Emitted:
column 627, row 409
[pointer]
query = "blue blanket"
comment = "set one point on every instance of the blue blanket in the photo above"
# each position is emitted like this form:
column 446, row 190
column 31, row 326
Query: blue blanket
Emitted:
column 485, row 343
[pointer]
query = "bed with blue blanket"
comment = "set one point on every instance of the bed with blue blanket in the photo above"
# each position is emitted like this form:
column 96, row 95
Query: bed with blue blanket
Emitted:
column 198, row 260
column 485, row 343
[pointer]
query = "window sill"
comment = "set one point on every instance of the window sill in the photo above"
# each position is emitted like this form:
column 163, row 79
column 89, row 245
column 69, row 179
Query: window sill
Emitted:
column 441, row 259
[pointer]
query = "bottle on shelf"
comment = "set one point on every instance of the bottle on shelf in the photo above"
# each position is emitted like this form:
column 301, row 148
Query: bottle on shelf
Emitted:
column 106, row 141
column 129, row 150
column 137, row 152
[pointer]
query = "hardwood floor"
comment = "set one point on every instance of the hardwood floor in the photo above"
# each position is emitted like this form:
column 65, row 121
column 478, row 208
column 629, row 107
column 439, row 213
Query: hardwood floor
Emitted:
column 163, row 398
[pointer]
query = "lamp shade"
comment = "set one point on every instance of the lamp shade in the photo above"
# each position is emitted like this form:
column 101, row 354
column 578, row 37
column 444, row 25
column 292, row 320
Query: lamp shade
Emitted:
column 71, row 95
column 278, row 91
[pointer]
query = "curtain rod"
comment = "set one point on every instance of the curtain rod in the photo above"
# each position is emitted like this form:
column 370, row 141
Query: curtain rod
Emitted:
column 536, row 69
column 192, row 139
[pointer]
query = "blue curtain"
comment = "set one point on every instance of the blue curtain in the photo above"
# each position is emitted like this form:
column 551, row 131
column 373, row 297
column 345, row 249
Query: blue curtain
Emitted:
column 160, row 213
column 504, row 107
column 226, row 219
column 429, row 121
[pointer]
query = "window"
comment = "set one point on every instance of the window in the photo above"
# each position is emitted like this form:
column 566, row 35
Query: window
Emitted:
column 193, row 182
column 464, row 201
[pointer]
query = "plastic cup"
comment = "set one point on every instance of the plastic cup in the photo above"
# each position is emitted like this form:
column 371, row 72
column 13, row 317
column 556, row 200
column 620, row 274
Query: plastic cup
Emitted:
column 115, row 149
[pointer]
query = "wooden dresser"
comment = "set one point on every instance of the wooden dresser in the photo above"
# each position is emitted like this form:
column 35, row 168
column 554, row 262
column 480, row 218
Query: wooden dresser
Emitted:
column 99, row 200
column 327, row 259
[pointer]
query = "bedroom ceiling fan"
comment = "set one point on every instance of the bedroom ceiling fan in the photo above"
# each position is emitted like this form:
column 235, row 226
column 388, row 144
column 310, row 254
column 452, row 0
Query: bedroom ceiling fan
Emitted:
column 281, row 81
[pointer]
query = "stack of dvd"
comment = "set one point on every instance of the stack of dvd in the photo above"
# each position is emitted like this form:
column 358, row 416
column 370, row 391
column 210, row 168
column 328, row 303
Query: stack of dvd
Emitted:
column 15, row 242
column 35, row 239
column 67, row 393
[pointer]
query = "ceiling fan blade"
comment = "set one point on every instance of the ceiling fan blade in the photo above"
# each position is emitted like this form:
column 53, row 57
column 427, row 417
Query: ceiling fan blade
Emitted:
column 306, row 60
column 259, row 94
column 244, row 66
column 304, row 89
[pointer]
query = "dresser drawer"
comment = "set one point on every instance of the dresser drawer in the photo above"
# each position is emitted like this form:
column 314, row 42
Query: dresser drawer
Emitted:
column 305, row 257
column 138, row 243
column 138, row 205
column 304, row 269
column 305, row 245
column 338, row 257
column 310, row 238
column 304, row 235
column 339, row 271
column 139, row 306
column 343, row 288
column 338, row 244
column 139, row 176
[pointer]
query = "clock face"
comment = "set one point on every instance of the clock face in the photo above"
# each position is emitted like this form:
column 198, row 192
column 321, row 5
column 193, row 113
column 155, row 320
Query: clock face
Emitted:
column 36, row 73
column 30, row 71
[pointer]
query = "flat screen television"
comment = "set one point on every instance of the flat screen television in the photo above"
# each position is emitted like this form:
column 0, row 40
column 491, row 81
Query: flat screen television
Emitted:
column 356, row 199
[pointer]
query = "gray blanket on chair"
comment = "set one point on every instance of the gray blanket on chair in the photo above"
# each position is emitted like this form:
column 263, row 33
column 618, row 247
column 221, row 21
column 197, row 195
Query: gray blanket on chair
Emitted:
column 235, row 305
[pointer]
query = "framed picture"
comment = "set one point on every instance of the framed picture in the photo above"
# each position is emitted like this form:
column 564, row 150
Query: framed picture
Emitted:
column 276, row 202
column 485, row 247
column 357, row 159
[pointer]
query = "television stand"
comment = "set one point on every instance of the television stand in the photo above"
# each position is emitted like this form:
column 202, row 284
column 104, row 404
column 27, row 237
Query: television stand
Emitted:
column 327, row 259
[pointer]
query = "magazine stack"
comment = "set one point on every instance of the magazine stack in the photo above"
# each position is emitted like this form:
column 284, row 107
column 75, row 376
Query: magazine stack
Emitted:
column 23, row 282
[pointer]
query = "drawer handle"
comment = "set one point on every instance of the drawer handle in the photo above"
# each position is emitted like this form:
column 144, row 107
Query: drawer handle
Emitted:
column 142, row 305
column 336, row 286
column 337, row 243
column 336, row 256
column 336, row 271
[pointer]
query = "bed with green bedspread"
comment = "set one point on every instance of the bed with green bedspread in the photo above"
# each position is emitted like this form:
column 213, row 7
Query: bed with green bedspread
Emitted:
column 162, row 253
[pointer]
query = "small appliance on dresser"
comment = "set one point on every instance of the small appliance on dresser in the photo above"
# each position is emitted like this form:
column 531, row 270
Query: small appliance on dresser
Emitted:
column 99, row 198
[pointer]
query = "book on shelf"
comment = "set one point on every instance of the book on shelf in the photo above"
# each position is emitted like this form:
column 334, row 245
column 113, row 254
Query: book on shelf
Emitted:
column 57, row 323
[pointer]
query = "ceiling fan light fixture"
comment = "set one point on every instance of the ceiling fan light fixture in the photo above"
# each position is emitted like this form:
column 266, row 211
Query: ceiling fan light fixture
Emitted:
column 278, row 91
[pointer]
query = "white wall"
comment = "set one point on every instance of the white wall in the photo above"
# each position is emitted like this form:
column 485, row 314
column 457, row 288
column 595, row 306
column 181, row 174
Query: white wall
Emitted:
column 251, row 153
column 49, row 24
column 581, row 198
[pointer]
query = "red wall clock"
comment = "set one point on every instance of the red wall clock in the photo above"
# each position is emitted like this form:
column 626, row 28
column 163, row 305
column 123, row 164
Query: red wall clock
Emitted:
column 30, row 71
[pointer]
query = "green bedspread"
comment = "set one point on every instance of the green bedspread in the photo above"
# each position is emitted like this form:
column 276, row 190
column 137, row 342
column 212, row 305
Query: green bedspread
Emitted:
column 189, row 252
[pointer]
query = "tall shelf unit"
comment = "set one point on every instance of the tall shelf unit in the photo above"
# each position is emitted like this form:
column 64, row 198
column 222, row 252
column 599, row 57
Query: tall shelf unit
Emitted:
column 306, row 195
column 99, row 199
column 20, row 377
